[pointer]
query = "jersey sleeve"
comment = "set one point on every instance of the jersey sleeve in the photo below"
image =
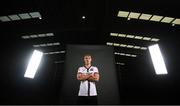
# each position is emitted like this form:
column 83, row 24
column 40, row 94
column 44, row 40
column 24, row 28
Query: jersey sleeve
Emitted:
column 80, row 70
column 96, row 70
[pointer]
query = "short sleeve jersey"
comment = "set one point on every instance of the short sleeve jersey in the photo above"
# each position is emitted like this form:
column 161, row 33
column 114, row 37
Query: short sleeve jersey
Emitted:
column 87, row 88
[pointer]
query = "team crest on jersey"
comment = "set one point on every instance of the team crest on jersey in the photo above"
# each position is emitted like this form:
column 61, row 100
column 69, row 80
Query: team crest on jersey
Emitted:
column 91, row 69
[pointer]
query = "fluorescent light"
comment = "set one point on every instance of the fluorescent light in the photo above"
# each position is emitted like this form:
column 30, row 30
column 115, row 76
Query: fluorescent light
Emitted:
column 25, row 16
column 134, row 15
column 120, row 63
column 143, row 48
column 154, row 39
column 129, row 46
column 156, row 18
column 128, row 55
column 49, row 34
column 138, row 37
column 137, row 47
column 123, row 45
column 4, row 19
column 157, row 59
column 62, row 51
column 146, row 38
column 41, row 35
column 33, row 64
column 14, row 17
column 122, row 54
column 36, row 45
column 121, row 35
column 133, row 55
column 116, row 53
column 176, row 21
column 114, row 34
column 43, row 45
column 33, row 36
column 116, row 44
column 145, row 16
column 35, row 15
column 123, row 14
column 130, row 36
column 38, row 35
column 25, row 37
column 56, row 43
column 49, row 44
column 109, row 43
column 167, row 19
column 55, row 52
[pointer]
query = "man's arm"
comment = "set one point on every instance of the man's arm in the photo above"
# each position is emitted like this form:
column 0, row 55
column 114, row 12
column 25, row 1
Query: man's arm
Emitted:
column 94, row 77
column 82, row 77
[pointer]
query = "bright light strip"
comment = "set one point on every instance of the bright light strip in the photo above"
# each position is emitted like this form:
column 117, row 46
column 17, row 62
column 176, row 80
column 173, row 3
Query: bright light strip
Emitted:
column 130, row 36
column 123, row 14
column 176, row 21
column 130, row 46
column 4, row 19
column 145, row 16
column 143, row 48
column 33, row 64
column 14, row 17
column 146, row 38
column 123, row 45
column 47, row 44
column 114, row 34
column 109, row 43
column 155, row 39
column 167, row 19
column 157, row 59
column 55, row 52
column 156, row 18
column 116, row 44
column 22, row 16
column 134, row 15
column 125, row 54
column 37, row 36
column 137, row 47
column 148, row 17
column 120, row 63
column 121, row 35
column 126, row 46
column 35, row 15
column 136, row 37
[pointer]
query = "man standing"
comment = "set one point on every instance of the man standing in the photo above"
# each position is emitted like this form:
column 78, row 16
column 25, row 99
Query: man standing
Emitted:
column 88, row 75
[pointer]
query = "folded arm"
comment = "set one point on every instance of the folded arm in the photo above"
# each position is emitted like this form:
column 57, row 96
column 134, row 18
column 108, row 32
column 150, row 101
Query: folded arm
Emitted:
column 94, row 77
column 90, row 77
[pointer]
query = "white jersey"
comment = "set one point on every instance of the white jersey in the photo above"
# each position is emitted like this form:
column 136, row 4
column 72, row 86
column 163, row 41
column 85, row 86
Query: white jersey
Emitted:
column 87, row 88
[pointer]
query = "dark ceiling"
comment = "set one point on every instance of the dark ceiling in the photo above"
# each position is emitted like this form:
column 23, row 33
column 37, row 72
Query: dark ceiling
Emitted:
column 138, row 82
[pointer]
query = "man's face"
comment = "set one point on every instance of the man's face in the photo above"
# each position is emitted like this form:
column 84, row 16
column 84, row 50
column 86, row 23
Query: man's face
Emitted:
column 87, row 59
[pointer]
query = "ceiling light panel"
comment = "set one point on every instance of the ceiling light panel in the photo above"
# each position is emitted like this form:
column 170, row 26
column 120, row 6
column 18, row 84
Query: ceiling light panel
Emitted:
column 114, row 34
column 25, row 16
column 167, row 19
column 123, row 14
column 14, row 17
column 134, row 15
column 4, row 19
column 145, row 16
column 156, row 18
column 35, row 15
column 176, row 21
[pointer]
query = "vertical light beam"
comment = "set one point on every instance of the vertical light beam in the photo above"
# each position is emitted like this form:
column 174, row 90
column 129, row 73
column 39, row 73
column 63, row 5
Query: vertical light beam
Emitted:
column 33, row 64
column 157, row 59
